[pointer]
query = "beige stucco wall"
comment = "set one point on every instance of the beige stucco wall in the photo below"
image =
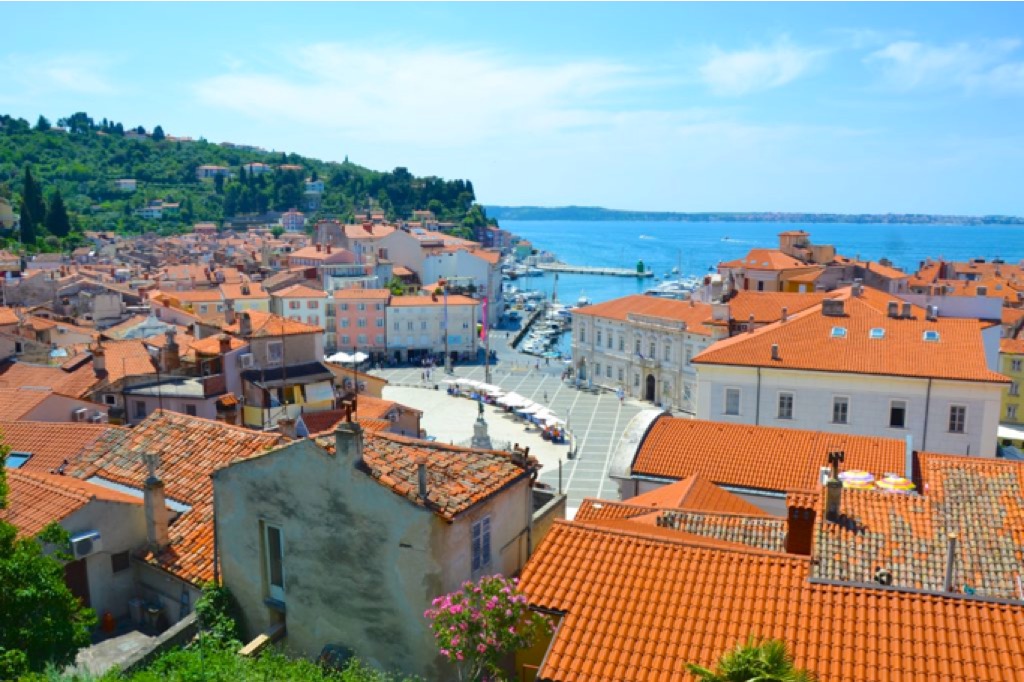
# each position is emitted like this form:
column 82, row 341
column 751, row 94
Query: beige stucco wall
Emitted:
column 361, row 563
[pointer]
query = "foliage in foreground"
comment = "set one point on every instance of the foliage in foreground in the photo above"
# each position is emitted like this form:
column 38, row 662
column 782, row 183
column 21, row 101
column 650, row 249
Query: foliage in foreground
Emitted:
column 41, row 622
column 754, row 661
column 480, row 624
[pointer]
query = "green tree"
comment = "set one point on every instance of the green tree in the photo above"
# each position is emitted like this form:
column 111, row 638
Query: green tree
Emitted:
column 158, row 134
column 41, row 622
column 754, row 661
column 57, row 221
column 43, row 123
column 277, row 231
column 33, row 210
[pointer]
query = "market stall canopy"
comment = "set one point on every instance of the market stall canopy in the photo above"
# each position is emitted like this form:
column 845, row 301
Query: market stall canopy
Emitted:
column 348, row 358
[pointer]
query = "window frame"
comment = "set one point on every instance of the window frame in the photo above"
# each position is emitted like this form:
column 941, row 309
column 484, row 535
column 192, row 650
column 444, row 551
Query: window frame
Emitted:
column 275, row 348
column 957, row 419
column 481, row 549
column 906, row 413
column 273, row 591
column 846, row 409
column 732, row 390
column 781, row 396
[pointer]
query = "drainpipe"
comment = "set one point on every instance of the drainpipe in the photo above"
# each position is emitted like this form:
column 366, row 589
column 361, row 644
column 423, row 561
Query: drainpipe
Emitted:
column 757, row 405
column 927, row 403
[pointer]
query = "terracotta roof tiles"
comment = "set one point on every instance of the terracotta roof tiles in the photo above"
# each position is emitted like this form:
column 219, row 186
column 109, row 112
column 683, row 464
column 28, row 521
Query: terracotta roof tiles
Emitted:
column 36, row 499
column 72, row 382
column 50, row 443
column 695, row 316
column 270, row 325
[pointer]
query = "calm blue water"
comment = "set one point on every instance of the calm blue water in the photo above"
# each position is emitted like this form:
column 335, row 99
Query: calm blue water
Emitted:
column 698, row 247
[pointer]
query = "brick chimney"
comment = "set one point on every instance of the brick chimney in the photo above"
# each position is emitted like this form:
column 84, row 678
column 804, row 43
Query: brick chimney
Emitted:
column 348, row 437
column 318, row 247
column 245, row 325
column 99, row 359
column 287, row 427
column 328, row 248
column 229, row 312
column 155, row 502
column 834, row 487
column 224, row 344
column 170, row 356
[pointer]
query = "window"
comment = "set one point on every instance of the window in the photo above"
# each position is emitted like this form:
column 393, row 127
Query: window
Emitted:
column 877, row 333
column 1011, row 411
column 622, row 343
column 345, row 340
column 931, row 335
column 396, row 326
column 732, row 401
column 1014, row 388
column 273, row 552
column 379, row 307
column 140, row 409
column 312, row 305
column 19, row 347
column 609, row 341
column 898, row 414
column 689, row 354
column 621, row 374
column 599, row 337
column 840, row 410
column 190, row 410
column 408, row 325
column 344, row 323
column 313, row 320
column 109, row 399
column 838, row 332
column 202, row 309
column 119, row 562
column 294, row 305
column 957, row 418
column 636, row 347
column 1015, row 365
column 380, row 322
column 653, row 354
column 785, row 406
column 608, row 371
column 423, row 325
column 274, row 352
column 636, row 381
column 361, row 307
column 583, row 335
column 482, row 543
column 362, row 322
column 380, row 339
column 343, row 306
column 668, row 352
column 362, row 339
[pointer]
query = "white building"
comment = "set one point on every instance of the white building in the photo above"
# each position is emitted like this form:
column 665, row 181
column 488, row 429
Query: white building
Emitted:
column 862, row 364
column 293, row 221
column 300, row 303
column 416, row 326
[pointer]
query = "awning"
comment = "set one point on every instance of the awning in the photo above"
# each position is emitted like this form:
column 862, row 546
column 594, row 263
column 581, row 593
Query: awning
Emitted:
column 1009, row 433
column 320, row 391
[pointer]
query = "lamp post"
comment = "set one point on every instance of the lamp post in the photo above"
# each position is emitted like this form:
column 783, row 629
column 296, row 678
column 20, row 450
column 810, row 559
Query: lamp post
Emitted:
column 487, row 345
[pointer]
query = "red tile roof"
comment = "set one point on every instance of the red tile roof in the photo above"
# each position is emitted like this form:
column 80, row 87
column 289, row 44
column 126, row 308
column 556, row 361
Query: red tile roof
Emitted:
column 457, row 478
column 696, row 494
column 765, row 259
column 300, row 291
column 767, row 306
column 328, row 420
column 362, row 293
column 757, row 457
column 15, row 402
column 638, row 607
column 695, row 316
column 74, row 382
column 806, row 342
column 127, row 358
column 1011, row 346
column 50, row 443
column 269, row 325
column 37, row 499
column 190, row 449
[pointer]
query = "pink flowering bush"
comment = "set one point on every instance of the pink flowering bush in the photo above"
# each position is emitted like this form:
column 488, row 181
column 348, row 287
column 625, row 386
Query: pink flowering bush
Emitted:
column 481, row 623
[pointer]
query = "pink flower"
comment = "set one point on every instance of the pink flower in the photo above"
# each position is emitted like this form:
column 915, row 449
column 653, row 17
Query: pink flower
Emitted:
column 481, row 648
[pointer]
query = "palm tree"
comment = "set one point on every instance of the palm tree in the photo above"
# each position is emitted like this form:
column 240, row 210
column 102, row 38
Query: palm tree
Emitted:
column 754, row 661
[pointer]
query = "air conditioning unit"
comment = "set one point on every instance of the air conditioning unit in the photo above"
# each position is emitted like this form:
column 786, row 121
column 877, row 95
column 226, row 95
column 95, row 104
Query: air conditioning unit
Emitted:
column 86, row 543
column 79, row 415
column 98, row 418
column 247, row 360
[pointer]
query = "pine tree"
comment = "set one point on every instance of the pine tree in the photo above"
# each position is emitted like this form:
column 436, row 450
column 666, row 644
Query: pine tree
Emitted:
column 57, row 222
column 33, row 210
column 158, row 134
column 43, row 123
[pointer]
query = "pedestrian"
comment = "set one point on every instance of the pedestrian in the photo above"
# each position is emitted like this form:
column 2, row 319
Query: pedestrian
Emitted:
column 545, row 396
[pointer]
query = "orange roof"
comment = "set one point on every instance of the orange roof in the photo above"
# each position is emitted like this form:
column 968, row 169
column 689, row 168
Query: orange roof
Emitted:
column 190, row 449
column 1011, row 346
column 457, row 478
column 377, row 294
column 7, row 316
column 695, row 316
column 268, row 324
column 235, row 291
column 369, row 407
column 697, row 494
column 374, row 231
column 765, row 259
column 128, row 358
column 767, row 306
column 401, row 271
column 415, row 301
column 807, row 342
column 211, row 345
column 493, row 257
column 73, row 382
column 300, row 291
column 884, row 270
column 638, row 607
column 196, row 296
column 36, row 499
column 758, row 457
column 806, row 277
column 327, row 420
column 50, row 443
column 16, row 401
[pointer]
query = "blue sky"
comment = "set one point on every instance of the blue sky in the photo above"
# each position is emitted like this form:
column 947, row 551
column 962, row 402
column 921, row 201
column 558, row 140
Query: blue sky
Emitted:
column 871, row 107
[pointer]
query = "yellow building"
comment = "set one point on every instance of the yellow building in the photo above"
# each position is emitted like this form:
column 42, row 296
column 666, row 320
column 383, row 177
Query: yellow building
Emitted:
column 1011, row 363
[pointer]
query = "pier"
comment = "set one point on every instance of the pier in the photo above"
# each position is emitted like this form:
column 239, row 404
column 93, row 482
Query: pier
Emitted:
column 588, row 270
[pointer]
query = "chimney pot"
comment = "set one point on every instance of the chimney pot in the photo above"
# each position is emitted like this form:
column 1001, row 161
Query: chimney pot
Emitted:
column 318, row 248
column 834, row 488
column 785, row 313
column 245, row 325
column 775, row 352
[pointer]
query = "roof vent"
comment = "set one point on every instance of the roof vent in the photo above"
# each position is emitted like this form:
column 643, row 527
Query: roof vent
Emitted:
column 894, row 309
column 832, row 307
column 932, row 313
column 982, row 291
column 785, row 313
column 907, row 311
column 775, row 352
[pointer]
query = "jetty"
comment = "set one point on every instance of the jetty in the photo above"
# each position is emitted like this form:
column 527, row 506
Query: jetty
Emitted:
column 590, row 270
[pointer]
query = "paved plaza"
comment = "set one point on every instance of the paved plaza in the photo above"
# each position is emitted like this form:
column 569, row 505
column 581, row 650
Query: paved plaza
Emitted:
column 596, row 419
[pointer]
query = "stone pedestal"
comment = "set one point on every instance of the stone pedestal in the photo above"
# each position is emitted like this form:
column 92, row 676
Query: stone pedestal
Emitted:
column 481, row 439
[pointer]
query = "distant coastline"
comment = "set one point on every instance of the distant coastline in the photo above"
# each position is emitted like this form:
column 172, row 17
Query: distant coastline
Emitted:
column 597, row 213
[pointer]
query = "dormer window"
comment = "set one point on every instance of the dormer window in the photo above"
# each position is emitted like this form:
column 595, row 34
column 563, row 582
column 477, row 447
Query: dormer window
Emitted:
column 931, row 335
column 838, row 332
column 877, row 333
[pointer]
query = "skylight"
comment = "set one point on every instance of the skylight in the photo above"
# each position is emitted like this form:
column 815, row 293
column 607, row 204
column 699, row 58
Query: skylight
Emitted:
column 877, row 333
column 838, row 332
column 931, row 335
column 16, row 459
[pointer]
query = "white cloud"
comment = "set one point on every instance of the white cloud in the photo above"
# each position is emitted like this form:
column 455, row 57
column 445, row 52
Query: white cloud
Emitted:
column 907, row 65
column 80, row 74
column 759, row 68
column 436, row 96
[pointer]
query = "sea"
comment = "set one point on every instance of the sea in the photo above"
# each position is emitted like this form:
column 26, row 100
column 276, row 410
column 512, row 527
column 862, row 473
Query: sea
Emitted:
column 696, row 248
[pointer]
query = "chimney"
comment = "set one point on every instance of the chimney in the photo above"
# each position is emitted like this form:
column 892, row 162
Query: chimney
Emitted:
column 421, row 474
column 224, row 344
column 99, row 359
column 328, row 248
column 834, row 487
column 245, row 290
column 348, row 437
column 894, row 309
column 932, row 313
column 775, row 352
column 318, row 247
column 907, row 312
column 287, row 427
column 785, row 313
column 245, row 325
column 156, row 507
column 750, row 323
column 229, row 312
column 947, row 584
column 170, row 357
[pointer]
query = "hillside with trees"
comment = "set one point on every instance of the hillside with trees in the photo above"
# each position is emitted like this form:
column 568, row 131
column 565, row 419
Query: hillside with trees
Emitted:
column 62, row 178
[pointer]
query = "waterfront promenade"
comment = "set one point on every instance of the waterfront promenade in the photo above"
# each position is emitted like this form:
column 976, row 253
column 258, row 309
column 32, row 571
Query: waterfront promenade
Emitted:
column 593, row 270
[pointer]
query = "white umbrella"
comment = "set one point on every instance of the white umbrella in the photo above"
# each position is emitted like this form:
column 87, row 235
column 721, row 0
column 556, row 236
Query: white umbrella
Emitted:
column 450, row 381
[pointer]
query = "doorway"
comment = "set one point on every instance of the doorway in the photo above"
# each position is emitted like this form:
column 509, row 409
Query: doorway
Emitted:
column 77, row 579
column 649, row 393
